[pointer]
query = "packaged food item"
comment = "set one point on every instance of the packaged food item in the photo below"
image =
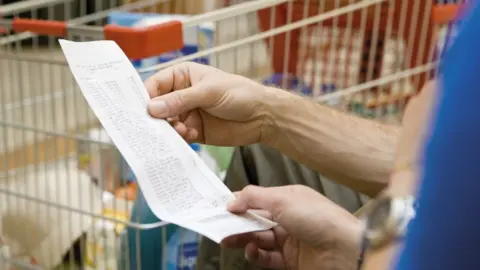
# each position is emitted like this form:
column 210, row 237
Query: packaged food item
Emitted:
column 195, row 38
column 103, row 239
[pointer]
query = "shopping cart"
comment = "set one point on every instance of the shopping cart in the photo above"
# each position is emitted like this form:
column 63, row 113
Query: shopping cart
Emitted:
column 363, row 56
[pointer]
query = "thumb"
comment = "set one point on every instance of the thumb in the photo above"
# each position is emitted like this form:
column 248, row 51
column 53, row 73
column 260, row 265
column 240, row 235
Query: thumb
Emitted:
column 177, row 102
column 254, row 197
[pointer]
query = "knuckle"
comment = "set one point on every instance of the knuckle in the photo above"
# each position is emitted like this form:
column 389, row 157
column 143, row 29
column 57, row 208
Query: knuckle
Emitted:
column 279, row 204
column 248, row 189
column 296, row 189
column 248, row 195
column 182, row 78
column 296, row 193
column 175, row 103
column 247, row 192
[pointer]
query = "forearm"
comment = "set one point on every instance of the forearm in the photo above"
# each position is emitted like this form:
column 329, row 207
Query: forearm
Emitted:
column 353, row 151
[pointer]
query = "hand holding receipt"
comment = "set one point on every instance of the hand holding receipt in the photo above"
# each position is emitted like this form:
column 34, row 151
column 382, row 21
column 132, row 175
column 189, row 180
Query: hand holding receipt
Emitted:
column 178, row 186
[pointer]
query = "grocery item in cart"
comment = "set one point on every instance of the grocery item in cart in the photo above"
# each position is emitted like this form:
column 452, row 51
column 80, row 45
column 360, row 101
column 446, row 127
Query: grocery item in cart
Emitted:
column 195, row 38
column 182, row 250
column 102, row 248
column 164, row 248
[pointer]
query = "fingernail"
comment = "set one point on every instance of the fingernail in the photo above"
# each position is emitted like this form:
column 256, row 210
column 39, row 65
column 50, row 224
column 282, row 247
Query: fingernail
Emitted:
column 158, row 108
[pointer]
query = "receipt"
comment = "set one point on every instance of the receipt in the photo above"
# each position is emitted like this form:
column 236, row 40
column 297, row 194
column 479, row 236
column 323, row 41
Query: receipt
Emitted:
column 177, row 185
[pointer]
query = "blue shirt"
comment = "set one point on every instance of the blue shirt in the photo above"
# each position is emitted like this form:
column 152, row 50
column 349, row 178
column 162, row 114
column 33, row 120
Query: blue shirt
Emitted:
column 446, row 232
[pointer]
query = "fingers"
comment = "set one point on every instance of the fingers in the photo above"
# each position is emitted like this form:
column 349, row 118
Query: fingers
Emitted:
column 254, row 197
column 176, row 90
column 188, row 134
column 174, row 103
column 263, row 258
column 169, row 79
column 181, row 101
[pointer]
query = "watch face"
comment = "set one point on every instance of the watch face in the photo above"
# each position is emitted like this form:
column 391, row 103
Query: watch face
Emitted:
column 379, row 214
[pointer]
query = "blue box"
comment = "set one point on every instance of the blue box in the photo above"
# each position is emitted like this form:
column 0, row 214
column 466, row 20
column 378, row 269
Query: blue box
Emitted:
column 195, row 38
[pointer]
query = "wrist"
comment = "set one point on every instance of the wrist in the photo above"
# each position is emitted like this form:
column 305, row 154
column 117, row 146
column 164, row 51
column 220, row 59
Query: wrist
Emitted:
column 385, row 225
column 403, row 179
column 348, row 240
column 353, row 236
column 277, row 104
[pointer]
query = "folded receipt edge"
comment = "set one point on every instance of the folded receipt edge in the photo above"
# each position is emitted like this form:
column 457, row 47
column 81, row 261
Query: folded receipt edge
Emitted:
column 265, row 223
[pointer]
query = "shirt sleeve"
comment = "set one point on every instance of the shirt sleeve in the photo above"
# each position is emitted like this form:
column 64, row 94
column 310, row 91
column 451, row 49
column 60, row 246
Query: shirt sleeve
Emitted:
column 446, row 231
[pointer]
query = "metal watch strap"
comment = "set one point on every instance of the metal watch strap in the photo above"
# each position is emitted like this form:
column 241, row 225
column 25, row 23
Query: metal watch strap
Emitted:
column 363, row 250
column 364, row 244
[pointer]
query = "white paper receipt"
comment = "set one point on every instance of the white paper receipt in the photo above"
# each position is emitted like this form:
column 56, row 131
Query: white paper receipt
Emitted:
column 177, row 185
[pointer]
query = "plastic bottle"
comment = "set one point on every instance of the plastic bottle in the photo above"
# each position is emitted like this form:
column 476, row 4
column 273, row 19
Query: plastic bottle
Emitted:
column 182, row 250
column 144, row 249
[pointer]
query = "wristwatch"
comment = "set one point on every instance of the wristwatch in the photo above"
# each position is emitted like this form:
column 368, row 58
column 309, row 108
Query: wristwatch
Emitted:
column 386, row 221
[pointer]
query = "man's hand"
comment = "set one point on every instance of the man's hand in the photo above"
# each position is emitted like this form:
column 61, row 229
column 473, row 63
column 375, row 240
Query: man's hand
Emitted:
column 313, row 232
column 207, row 105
